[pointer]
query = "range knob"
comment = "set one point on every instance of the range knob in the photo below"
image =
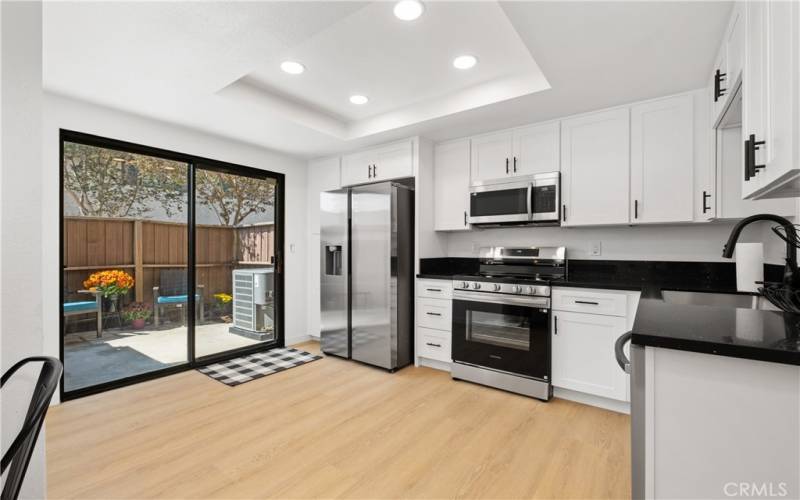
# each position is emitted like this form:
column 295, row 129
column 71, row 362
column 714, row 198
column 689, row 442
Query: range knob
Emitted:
column 516, row 289
column 464, row 284
column 496, row 287
column 529, row 290
column 476, row 286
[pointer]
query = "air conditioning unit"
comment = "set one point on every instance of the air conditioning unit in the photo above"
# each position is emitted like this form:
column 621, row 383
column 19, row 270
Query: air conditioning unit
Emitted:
column 253, row 303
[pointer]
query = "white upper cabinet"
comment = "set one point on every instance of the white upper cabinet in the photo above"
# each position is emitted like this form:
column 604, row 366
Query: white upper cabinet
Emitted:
column 771, row 91
column 595, row 168
column 391, row 161
column 729, row 63
column 451, row 172
column 662, row 162
column 523, row 151
column 492, row 155
column 536, row 149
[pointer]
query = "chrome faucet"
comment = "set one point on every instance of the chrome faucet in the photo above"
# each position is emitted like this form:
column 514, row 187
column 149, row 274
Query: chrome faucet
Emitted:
column 790, row 275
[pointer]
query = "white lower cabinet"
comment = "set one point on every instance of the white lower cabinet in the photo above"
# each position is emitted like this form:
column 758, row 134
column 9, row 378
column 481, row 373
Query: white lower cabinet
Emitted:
column 434, row 306
column 583, row 354
column 586, row 324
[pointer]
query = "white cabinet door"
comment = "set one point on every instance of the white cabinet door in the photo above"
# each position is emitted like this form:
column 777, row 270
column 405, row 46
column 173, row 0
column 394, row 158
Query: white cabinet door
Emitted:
column 491, row 156
column 393, row 161
column 356, row 168
column 734, row 47
column 595, row 168
column 782, row 60
column 451, row 185
column 662, row 160
column 755, row 80
column 536, row 149
column 583, row 354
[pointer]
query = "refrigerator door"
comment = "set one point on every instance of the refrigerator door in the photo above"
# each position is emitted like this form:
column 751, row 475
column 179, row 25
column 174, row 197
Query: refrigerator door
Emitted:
column 373, row 286
column 334, row 273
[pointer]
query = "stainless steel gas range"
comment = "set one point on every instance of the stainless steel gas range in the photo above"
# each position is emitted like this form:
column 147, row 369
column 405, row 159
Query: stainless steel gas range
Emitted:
column 501, row 319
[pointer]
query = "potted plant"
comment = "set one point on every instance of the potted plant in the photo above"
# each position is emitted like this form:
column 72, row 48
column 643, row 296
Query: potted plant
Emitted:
column 137, row 313
column 222, row 306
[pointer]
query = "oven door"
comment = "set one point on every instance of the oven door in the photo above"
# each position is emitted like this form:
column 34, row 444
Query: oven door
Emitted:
column 510, row 334
column 497, row 203
column 546, row 198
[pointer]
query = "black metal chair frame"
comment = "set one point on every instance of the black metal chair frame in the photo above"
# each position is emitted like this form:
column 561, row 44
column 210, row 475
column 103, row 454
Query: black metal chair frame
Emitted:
column 18, row 455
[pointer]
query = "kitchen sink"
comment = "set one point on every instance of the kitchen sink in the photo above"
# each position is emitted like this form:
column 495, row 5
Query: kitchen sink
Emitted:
column 735, row 300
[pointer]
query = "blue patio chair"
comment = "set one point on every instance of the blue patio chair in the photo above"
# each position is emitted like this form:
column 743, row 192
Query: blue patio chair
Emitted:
column 86, row 307
column 172, row 292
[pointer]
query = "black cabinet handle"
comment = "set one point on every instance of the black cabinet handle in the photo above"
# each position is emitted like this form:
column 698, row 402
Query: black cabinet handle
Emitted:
column 433, row 314
column 434, row 289
column 635, row 209
column 506, row 165
column 465, row 217
column 564, row 213
column 750, row 147
column 555, row 325
column 587, row 302
column 432, row 344
column 718, row 90
column 706, row 196
column 747, row 160
column 515, row 164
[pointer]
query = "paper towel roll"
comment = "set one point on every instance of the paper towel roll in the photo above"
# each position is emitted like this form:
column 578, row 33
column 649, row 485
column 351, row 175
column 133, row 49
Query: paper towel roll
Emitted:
column 749, row 266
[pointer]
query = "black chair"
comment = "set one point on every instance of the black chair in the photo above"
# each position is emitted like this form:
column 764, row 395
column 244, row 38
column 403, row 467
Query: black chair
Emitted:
column 18, row 455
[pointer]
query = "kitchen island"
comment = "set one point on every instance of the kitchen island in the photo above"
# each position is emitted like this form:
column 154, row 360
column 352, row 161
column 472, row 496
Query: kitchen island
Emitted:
column 714, row 385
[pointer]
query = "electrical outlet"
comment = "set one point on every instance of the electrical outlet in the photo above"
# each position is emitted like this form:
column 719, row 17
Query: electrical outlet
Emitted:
column 595, row 248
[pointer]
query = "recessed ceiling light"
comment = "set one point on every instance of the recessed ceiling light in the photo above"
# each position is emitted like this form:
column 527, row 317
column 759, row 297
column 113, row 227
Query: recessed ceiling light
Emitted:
column 292, row 67
column 358, row 99
column 465, row 62
column 408, row 10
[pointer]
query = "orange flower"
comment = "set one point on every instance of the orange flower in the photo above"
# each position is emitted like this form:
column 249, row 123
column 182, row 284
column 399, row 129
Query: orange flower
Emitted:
column 110, row 282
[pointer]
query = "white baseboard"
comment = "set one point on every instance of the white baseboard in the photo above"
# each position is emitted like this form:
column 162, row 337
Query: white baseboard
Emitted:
column 592, row 400
column 299, row 339
column 433, row 363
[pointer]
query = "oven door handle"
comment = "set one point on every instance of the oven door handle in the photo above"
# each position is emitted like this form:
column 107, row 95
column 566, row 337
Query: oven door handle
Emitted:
column 494, row 298
column 530, row 201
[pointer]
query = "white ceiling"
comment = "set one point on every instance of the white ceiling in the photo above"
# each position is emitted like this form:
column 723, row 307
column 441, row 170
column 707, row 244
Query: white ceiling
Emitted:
column 214, row 65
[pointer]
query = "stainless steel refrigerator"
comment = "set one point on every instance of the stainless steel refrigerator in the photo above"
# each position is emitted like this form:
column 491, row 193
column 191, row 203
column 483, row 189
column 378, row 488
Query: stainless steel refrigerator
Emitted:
column 367, row 273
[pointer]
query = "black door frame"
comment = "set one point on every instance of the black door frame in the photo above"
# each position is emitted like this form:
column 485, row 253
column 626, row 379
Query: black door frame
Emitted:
column 193, row 162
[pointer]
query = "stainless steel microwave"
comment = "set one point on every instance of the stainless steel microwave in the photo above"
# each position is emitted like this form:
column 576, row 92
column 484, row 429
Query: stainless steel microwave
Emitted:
column 521, row 200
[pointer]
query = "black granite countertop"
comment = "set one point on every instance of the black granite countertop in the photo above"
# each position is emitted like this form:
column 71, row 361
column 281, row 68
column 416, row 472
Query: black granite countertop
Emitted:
column 742, row 333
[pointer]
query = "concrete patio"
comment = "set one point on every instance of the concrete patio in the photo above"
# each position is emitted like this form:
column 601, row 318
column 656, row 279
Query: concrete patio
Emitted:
column 123, row 352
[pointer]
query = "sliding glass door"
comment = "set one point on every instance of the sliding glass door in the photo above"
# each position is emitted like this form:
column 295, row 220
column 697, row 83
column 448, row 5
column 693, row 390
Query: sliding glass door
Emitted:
column 169, row 261
column 235, row 260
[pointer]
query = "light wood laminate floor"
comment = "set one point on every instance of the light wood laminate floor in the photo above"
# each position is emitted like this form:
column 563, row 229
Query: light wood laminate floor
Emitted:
column 333, row 428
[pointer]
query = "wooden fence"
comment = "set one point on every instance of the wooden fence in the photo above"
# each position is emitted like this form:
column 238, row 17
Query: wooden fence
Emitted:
column 143, row 248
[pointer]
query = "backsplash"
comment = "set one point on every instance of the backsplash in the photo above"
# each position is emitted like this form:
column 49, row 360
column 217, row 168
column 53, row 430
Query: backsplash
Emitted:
column 686, row 243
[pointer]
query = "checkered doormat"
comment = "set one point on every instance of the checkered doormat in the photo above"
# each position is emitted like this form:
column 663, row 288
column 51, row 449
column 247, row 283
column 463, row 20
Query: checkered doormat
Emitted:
column 240, row 370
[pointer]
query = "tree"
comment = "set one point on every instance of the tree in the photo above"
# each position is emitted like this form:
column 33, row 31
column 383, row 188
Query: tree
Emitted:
column 108, row 183
column 233, row 197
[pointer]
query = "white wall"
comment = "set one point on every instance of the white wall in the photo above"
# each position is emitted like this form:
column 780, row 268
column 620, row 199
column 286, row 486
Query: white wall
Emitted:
column 691, row 242
column 323, row 175
column 22, row 280
column 62, row 112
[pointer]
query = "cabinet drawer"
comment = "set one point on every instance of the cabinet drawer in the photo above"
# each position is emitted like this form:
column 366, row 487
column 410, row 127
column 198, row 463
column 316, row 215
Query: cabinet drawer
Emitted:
column 434, row 344
column 586, row 301
column 435, row 289
column 434, row 313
